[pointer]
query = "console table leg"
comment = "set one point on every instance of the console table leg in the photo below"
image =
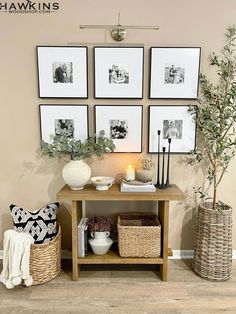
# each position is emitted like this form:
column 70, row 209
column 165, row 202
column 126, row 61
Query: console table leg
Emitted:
column 163, row 214
column 76, row 213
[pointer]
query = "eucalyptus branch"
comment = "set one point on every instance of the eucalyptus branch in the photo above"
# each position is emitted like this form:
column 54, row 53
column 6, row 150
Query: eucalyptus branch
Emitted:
column 77, row 150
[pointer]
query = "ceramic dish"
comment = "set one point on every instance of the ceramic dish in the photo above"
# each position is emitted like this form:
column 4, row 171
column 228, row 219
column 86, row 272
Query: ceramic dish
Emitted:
column 102, row 183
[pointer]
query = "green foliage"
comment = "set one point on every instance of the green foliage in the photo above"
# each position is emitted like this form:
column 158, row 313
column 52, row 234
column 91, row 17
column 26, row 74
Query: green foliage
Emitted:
column 76, row 149
column 216, row 117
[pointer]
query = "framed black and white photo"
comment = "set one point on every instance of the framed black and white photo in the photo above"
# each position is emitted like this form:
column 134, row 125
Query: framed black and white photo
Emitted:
column 122, row 124
column 68, row 120
column 62, row 72
column 174, row 122
column 174, row 73
column 118, row 72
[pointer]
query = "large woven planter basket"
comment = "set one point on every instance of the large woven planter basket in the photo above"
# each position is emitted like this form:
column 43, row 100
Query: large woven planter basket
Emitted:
column 45, row 260
column 212, row 257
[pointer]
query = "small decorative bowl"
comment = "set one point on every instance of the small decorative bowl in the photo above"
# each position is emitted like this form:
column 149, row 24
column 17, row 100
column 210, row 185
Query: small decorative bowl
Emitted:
column 102, row 183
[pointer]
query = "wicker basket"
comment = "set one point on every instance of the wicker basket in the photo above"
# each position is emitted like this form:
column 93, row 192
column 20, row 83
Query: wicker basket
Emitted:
column 45, row 260
column 139, row 235
column 213, row 243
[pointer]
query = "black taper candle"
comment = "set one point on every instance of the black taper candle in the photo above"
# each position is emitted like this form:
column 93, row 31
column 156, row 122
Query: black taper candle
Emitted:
column 163, row 165
column 158, row 157
column 168, row 164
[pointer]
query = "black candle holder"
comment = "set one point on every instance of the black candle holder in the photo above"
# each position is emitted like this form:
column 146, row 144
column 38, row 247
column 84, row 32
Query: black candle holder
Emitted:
column 158, row 158
column 163, row 184
column 168, row 166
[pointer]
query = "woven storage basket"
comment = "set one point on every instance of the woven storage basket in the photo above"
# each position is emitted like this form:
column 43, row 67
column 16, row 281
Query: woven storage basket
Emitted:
column 139, row 235
column 213, row 243
column 45, row 260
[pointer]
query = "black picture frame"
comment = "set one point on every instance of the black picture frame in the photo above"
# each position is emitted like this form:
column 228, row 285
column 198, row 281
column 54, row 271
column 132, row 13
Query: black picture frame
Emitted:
column 50, row 114
column 105, row 57
column 56, row 82
column 128, row 116
column 158, row 118
column 174, row 72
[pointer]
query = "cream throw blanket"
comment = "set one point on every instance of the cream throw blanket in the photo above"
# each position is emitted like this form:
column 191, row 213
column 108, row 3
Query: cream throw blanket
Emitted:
column 16, row 256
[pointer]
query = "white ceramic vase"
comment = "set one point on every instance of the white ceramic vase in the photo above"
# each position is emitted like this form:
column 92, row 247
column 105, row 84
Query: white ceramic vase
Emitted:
column 76, row 174
column 100, row 242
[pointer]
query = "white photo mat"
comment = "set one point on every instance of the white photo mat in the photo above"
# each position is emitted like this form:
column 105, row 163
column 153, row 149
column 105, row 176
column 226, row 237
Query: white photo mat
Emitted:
column 52, row 59
column 77, row 115
column 127, row 60
column 174, row 72
column 111, row 117
column 174, row 122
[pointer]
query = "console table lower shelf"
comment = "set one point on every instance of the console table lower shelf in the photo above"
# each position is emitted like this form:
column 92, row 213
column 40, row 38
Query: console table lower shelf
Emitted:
column 78, row 200
column 113, row 257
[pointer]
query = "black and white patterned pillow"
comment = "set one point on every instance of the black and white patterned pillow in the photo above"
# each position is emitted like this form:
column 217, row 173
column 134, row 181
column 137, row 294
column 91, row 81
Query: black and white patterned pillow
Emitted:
column 42, row 224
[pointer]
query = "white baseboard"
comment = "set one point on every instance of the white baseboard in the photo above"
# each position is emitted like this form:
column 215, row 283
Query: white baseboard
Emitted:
column 182, row 254
column 188, row 254
column 177, row 254
column 234, row 254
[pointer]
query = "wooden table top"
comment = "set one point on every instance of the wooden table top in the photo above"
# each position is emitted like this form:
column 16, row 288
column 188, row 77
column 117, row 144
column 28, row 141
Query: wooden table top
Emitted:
column 89, row 193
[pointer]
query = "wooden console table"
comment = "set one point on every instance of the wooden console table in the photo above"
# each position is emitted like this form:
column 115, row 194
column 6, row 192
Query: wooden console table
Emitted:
column 113, row 194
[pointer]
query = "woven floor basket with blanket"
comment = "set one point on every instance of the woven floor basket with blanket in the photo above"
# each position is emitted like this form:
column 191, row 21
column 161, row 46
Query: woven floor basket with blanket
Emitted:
column 45, row 259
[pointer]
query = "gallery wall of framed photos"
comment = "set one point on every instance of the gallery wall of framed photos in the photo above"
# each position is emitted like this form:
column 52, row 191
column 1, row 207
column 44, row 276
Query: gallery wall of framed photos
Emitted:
column 119, row 75
column 31, row 180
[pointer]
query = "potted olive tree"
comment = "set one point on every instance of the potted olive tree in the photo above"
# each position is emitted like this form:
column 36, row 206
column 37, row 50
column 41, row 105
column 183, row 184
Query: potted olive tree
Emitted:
column 76, row 172
column 215, row 121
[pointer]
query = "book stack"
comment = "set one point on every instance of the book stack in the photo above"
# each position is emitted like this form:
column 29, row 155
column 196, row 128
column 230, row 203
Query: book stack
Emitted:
column 137, row 186
column 83, row 237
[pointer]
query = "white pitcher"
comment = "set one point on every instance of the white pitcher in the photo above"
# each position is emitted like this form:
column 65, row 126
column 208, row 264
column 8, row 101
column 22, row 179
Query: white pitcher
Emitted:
column 100, row 242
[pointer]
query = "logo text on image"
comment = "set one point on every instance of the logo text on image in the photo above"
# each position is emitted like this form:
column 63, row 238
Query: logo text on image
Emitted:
column 29, row 7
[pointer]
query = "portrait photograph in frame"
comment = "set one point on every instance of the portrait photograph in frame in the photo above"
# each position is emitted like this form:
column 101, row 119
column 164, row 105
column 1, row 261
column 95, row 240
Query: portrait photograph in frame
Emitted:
column 118, row 72
column 121, row 123
column 174, row 72
column 175, row 122
column 62, row 71
column 68, row 120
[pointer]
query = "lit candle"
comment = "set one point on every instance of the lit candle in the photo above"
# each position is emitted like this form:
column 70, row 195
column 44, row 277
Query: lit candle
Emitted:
column 130, row 173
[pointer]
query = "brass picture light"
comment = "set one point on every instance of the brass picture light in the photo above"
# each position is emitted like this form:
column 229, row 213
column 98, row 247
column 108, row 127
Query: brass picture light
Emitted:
column 118, row 32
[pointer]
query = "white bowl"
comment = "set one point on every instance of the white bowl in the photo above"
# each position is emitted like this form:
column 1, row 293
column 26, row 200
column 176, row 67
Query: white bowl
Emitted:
column 102, row 183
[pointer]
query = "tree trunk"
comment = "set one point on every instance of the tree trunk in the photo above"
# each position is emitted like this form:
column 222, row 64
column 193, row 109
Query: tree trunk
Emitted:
column 214, row 193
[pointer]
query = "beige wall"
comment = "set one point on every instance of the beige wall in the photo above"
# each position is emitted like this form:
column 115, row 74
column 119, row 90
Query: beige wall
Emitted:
column 30, row 181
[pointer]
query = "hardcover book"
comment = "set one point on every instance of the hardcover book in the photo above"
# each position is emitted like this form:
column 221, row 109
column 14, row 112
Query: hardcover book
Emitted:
column 137, row 186
column 80, row 238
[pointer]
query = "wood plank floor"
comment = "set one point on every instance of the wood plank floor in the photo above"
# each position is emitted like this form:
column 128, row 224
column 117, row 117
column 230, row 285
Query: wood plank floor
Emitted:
column 122, row 290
